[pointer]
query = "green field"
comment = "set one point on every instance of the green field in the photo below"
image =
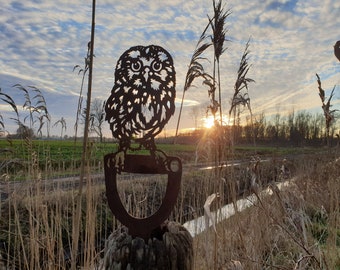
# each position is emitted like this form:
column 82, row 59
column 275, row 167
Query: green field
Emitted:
column 53, row 157
column 59, row 158
column 67, row 150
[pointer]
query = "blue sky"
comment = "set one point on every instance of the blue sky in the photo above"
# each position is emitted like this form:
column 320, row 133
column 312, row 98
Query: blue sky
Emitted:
column 42, row 40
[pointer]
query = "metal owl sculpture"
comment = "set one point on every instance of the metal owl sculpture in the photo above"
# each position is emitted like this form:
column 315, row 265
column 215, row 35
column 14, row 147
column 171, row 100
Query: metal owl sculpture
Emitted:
column 142, row 101
column 143, row 97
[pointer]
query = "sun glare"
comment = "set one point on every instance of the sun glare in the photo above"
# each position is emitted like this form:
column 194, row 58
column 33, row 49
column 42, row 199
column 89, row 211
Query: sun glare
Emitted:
column 208, row 122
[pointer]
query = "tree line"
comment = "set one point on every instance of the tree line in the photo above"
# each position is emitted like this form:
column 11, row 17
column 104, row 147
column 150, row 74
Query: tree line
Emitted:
column 297, row 128
column 301, row 128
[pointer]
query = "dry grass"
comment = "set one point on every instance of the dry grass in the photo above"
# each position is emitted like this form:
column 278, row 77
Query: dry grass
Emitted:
column 36, row 227
column 296, row 228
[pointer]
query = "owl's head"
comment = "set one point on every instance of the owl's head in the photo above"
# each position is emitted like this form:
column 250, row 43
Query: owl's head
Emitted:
column 145, row 67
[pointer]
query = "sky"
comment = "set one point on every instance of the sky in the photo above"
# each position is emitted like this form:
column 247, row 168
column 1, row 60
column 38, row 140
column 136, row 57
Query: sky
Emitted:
column 290, row 41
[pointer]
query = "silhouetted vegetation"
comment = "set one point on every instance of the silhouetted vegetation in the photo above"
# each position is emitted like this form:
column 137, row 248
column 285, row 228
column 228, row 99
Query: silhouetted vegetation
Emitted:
column 50, row 224
column 326, row 107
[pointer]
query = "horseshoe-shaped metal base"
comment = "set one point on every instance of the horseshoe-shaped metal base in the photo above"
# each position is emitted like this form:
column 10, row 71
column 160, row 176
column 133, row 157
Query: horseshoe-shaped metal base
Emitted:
column 142, row 164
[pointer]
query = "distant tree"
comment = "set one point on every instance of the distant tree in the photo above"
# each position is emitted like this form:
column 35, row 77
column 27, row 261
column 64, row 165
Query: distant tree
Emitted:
column 24, row 132
column 259, row 127
column 284, row 130
column 277, row 126
column 301, row 127
column 195, row 114
column 271, row 133
column 315, row 126
column 293, row 133
column 97, row 117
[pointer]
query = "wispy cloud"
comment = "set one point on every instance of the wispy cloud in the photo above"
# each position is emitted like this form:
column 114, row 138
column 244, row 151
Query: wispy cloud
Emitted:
column 290, row 41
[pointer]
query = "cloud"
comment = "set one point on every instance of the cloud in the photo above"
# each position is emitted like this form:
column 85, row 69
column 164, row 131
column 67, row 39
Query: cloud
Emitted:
column 290, row 41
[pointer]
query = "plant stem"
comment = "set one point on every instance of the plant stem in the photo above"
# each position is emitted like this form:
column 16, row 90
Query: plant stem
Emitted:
column 179, row 116
column 77, row 221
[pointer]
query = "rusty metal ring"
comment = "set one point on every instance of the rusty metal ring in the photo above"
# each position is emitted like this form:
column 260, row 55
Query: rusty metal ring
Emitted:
column 142, row 227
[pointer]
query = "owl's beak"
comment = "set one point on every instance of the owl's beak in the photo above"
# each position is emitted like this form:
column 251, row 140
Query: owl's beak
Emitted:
column 146, row 74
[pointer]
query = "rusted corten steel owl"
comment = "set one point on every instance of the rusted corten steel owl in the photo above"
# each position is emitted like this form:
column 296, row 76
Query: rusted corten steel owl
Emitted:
column 142, row 101
column 143, row 97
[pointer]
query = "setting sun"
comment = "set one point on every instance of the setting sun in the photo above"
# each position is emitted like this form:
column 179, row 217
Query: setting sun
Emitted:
column 208, row 122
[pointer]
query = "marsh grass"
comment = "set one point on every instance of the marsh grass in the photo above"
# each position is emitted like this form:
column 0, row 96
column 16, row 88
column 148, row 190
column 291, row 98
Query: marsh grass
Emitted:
column 297, row 228
column 40, row 225
column 142, row 196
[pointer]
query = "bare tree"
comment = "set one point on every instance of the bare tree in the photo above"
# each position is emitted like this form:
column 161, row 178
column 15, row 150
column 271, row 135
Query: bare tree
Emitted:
column 24, row 132
column 97, row 117
column 195, row 113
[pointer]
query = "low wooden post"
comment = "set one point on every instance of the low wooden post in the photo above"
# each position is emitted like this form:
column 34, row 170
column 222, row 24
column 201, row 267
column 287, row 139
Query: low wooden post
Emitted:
column 170, row 249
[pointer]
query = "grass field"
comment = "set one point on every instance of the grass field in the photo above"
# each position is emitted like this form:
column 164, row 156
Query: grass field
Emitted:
column 59, row 158
column 294, row 229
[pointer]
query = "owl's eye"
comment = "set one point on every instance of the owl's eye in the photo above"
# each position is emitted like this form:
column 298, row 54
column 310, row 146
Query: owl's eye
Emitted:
column 156, row 66
column 136, row 66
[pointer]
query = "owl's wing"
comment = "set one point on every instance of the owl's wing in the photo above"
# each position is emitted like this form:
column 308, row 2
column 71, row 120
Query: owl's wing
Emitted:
column 111, row 105
column 113, row 108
